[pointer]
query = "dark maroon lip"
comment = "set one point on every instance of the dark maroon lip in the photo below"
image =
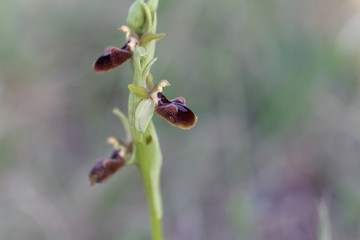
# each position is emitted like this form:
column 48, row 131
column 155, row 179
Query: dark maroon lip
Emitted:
column 162, row 99
column 175, row 112
column 104, row 169
column 112, row 57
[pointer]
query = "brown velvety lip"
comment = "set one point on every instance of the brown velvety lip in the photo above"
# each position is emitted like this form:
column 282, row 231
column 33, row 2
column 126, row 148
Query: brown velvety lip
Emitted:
column 112, row 58
column 175, row 112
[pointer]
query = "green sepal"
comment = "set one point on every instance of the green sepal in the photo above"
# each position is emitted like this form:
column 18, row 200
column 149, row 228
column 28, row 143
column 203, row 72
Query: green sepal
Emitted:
column 139, row 91
column 148, row 37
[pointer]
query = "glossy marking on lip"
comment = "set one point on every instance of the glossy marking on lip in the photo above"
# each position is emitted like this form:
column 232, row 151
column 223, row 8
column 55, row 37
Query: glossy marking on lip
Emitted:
column 180, row 100
column 175, row 112
column 104, row 169
column 112, row 58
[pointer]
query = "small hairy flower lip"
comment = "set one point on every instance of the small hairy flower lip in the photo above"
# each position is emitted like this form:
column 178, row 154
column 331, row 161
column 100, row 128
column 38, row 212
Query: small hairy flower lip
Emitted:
column 112, row 57
column 106, row 168
column 175, row 112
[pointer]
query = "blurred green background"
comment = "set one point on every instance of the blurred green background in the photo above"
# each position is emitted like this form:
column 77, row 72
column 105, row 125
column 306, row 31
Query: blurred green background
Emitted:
column 275, row 85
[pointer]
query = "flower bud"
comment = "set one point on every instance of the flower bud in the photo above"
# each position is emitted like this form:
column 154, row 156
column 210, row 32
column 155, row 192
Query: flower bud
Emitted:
column 175, row 112
column 136, row 17
column 112, row 58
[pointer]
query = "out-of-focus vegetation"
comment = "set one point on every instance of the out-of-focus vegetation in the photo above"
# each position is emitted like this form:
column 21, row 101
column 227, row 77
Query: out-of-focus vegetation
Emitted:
column 275, row 84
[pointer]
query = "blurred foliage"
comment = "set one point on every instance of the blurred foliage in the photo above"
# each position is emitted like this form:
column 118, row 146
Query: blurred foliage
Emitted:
column 273, row 82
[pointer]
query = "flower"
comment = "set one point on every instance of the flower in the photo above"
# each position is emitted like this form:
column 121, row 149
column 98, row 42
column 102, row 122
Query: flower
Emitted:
column 175, row 111
column 104, row 169
column 112, row 58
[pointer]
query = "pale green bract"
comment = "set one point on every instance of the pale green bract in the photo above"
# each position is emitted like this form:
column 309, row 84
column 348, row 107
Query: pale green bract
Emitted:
column 143, row 114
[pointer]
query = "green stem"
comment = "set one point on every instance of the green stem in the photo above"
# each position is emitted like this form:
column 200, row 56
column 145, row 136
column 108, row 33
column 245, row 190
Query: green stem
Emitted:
column 149, row 161
column 146, row 145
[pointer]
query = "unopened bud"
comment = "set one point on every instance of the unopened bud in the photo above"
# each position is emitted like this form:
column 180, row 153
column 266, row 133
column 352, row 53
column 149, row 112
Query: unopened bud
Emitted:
column 136, row 17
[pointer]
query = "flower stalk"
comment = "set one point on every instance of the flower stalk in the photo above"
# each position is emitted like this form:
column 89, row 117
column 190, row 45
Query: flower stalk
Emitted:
column 142, row 146
column 146, row 146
